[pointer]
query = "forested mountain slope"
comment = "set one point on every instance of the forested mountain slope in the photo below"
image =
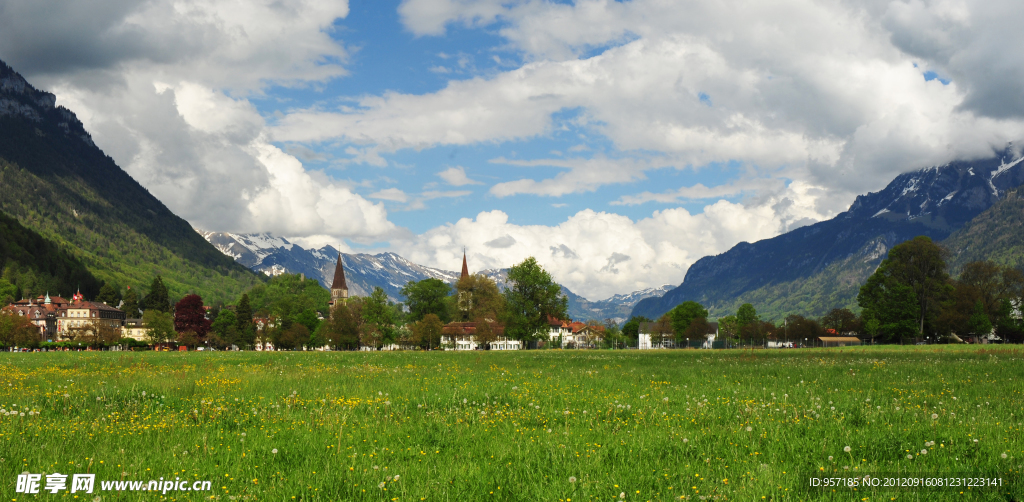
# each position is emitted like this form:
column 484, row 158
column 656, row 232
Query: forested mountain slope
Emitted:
column 54, row 180
column 31, row 265
column 996, row 234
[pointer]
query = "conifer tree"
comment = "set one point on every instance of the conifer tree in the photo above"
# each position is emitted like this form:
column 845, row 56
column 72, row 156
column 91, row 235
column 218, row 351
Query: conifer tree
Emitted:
column 157, row 298
column 108, row 295
column 131, row 304
column 243, row 314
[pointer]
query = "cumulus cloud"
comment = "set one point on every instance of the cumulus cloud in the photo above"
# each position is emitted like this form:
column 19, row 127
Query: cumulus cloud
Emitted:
column 163, row 86
column 597, row 254
column 456, row 176
column 392, row 194
column 808, row 90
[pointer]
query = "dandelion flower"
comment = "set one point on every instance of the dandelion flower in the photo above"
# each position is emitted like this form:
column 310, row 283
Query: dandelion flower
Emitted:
column 622, row 495
column 381, row 485
column 686, row 440
column 572, row 479
column 924, row 451
column 749, row 428
column 664, row 399
column 387, row 403
column 144, row 395
column 830, row 458
column 846, row 449
column 935, row 416
column 910, row 457
column 1003, row 455
column 549, row 430
column 243, row 434
column 396, row 477
column 274, row 451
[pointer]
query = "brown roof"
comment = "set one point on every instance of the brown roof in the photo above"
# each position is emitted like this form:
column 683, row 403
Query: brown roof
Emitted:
column 844, row 339
column 465, row 267
column 469, row 328
column 339, row 276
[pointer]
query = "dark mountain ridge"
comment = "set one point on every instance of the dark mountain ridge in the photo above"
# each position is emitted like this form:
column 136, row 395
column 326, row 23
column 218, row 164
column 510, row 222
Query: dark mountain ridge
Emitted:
column 54, row 180
column 815, row 268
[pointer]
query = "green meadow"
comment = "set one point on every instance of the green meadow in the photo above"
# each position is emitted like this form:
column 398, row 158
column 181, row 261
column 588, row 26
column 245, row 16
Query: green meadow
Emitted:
column 525, row 425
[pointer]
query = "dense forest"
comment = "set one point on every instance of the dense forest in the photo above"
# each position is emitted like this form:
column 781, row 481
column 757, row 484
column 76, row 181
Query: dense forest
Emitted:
column 32, row 265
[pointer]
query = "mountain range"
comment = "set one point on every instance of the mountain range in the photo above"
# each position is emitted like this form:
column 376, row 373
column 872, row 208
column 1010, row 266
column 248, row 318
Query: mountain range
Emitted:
column 275, row 255
column 818, row 267
column 56, row 182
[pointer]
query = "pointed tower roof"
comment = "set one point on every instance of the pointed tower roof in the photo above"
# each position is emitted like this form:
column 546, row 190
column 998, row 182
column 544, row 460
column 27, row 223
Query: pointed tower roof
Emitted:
column 339, row 276
column 465, row 268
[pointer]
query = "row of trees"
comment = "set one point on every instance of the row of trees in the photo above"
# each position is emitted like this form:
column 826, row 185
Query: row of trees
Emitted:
column 911, row 294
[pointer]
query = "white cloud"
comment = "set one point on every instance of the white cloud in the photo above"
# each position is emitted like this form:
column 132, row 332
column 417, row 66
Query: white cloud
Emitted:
column 813, row 88
column 392, row 194
column 581, row 175
column 699, row 192
column 598, row 254
column 162, row 86
column 456, row 176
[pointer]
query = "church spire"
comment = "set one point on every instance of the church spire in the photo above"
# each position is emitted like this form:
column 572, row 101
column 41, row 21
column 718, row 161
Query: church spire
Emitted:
column 465, row 267
column 339, row 290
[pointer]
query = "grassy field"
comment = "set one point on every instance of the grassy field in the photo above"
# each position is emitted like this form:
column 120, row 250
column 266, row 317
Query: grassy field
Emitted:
column 528, row 425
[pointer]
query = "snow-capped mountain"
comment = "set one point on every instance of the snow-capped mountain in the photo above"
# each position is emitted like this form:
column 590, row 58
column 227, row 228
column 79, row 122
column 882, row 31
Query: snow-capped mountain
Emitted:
column 275, row 255
column 815, row 268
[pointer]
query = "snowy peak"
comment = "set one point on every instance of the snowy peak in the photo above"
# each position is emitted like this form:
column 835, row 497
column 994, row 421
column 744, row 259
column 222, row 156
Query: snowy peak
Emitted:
column 943, row 196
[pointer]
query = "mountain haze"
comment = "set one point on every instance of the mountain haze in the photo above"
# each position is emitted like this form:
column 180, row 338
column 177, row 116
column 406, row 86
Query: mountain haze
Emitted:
column 813, row 269
column 56, row 182
column 275, row 255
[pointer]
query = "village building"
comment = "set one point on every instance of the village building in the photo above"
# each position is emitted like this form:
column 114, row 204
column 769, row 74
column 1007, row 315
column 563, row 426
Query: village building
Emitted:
column 669, row 341
column 54, row 316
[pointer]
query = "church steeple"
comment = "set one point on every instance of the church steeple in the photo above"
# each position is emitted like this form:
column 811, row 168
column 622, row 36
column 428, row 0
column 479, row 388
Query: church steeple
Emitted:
column 465, row 267
column 339, row 290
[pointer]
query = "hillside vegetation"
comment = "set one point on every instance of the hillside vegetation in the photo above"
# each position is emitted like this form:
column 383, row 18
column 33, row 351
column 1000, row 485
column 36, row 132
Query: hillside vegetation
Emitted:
column 31, row 265
column 55, row 181
column 996, row 235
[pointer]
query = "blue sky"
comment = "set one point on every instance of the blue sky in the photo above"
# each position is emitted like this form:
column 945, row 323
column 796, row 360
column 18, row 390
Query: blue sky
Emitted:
column 616, row 142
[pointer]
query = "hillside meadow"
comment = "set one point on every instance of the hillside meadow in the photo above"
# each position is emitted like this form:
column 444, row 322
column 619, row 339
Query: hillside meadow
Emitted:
column 526, row 425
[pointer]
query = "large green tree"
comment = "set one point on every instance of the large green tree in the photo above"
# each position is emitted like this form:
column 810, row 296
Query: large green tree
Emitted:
column 243, row 314
column 746, row 315
column 476, row 297
column 224, row 329
column 159, row 326
column 918, row 264
column 108, row 294
column 427, row 331
column 840, row 320
column 631, row 329
column 379, row 320
column 891, row 309
column 531, row 297
column 684, row 314
column 157, row 298
column 342, row 329
column 16, row 330
column 429, row 296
